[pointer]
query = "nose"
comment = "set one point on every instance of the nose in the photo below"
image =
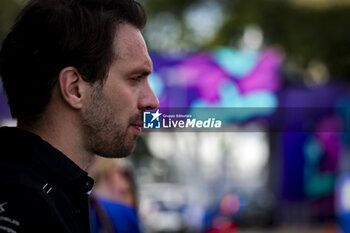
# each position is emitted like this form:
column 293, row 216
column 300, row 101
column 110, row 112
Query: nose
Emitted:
column 148, row 99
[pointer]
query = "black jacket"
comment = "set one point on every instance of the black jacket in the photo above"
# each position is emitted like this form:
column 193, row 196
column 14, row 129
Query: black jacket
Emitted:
column 41, row 190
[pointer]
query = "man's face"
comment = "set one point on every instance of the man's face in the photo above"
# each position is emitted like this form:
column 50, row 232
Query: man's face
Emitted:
column 112, row 118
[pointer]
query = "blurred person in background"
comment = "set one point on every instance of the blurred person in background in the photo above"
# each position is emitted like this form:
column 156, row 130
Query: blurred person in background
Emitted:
column 76, row 76
column 113, row 203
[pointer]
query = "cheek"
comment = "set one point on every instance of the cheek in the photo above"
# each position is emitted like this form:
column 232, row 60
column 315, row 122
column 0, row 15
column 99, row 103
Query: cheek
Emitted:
column 128, row 102
column 124, row 95
column 123, row 101
column 117, row 103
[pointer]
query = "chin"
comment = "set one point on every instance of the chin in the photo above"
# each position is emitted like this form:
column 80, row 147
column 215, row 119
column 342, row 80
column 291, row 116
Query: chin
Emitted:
column 117, row 153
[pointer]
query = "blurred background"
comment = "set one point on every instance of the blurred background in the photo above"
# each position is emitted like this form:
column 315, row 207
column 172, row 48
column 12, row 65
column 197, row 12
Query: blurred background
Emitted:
column 261, row 54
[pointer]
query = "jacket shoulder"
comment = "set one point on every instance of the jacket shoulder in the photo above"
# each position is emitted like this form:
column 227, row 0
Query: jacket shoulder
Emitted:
column 23, row 206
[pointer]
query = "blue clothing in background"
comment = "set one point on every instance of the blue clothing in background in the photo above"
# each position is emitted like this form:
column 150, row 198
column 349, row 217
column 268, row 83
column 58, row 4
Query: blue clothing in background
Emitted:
column 123, row 218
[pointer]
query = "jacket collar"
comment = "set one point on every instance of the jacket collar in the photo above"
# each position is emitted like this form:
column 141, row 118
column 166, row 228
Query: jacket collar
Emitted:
column 45, row 157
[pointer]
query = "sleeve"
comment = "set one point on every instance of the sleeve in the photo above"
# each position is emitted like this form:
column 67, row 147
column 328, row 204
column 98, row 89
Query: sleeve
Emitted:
column 23, row 211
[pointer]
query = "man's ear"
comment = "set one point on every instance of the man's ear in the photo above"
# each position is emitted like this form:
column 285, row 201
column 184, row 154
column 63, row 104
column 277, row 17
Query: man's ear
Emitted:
column 72, row 86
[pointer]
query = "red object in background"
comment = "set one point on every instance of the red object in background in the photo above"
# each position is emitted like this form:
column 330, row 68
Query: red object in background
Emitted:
column 224, row 227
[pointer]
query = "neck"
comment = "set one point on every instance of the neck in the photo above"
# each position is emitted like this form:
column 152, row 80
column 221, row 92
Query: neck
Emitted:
column 62, row 134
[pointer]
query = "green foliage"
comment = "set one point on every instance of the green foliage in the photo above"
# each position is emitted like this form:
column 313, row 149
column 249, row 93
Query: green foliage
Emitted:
column 8, row 12
column 303, row 33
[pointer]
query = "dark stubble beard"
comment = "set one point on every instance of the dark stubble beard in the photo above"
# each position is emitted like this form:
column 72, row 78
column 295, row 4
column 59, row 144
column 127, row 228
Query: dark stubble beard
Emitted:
column 103, row 134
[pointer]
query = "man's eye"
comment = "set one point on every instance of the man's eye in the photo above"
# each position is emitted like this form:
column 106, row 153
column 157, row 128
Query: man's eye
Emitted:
column 137, row 78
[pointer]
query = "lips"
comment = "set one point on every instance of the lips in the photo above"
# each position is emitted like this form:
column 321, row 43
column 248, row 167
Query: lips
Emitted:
column 137, row 126
column 136, row 122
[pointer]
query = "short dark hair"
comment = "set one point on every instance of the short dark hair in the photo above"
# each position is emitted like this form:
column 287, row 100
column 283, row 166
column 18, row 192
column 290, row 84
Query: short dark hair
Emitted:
column 50, row 35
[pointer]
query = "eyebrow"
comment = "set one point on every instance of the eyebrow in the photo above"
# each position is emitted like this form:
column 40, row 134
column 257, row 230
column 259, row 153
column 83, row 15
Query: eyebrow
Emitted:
column 142, row 71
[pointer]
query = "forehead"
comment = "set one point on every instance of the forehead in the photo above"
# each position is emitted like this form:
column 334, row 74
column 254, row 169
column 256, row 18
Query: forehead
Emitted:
column 129, row 46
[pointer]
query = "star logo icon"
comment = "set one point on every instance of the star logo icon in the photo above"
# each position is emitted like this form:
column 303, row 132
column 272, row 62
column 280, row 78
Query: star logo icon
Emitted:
column 156, row 115
column 151, row 119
